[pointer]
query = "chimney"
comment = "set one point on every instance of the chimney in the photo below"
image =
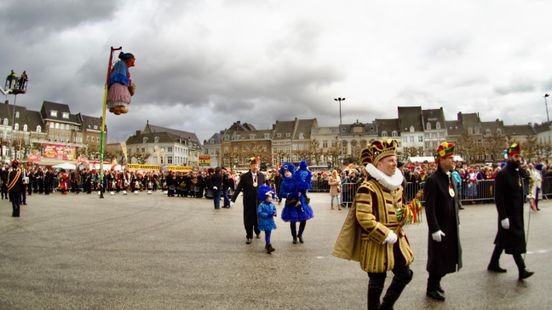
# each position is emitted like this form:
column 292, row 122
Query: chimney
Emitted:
column 138, row 132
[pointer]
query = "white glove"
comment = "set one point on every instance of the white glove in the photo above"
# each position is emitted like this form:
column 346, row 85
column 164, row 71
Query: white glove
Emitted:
column 215, row 188
column 231, row 203
column 391, row 238
column 505, row 223
column 436, row 236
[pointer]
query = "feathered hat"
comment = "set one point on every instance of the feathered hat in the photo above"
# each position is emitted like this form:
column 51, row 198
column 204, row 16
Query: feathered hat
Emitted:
column 287, row 166
column 377, row 150
column 444, row 150
column 263, row 191
column 514, row 149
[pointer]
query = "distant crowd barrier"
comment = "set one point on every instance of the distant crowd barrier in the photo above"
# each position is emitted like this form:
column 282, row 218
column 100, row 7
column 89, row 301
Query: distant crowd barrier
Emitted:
column 480, row 191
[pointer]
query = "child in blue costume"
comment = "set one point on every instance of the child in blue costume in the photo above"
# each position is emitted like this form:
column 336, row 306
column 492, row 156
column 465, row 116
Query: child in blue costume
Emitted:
column 266, row 212
column 296, row 209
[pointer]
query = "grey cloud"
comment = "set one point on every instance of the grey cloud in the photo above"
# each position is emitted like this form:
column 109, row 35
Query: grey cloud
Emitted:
column 516, row 86
column 53, row 15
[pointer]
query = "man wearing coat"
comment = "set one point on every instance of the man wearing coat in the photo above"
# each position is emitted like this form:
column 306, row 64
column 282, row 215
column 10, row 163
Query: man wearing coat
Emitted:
column 249, row 182
column 509, row 204
column 444, row 253
column 15, row 187
column 372, row 233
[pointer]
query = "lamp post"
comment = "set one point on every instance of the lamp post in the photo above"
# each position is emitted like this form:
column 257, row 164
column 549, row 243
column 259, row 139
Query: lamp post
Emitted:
column 339, row 99
column 546, row 105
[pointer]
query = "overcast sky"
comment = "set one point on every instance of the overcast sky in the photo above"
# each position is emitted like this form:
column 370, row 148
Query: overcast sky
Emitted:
column 202, row 65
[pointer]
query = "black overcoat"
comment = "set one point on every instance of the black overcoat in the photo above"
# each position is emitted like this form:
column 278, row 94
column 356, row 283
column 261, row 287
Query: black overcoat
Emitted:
column 442, row 214
column 250, row 199
column 509, row 204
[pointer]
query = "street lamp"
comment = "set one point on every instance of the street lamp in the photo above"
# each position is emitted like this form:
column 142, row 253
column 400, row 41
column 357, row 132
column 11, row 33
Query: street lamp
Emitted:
column 339, row 99
column 546, row 105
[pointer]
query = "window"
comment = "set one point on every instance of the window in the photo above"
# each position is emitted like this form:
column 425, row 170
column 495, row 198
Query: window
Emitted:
column 25, row 127
column 384, row 133
column 437, row 125
column 96, row 127
column 488, row 131
column 428, row 126
column 38, row 128
column 17, row 114
column 267, row 136
column 301, row 136
column 394, row 133
column 52, row 125
column 411, row 128
column 57, row 126
column 169, row 149
column 143, row 150
column 251, row 136
column 65, row 115
column 324, row 144
column 288, row 134
column 145, row 140
column 279, row 135
column 499, row 131
column 411, row 139
column 156, row 139
column 16, row 127
column 420, row 138
column 169, row 160
column 53, row 113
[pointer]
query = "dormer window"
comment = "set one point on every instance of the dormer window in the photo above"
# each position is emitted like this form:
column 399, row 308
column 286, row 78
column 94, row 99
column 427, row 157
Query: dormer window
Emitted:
column 301, row 136
column 279, row 135
column 428, row 126
column 38, row 128
column 394, row 133
column 384, row 133
column 437, row 125
column 288, row 134
column 16, row 127
column 411, row 128
column 17, row 114
column 25, row 127
column 5, row 121
column 145, row 140
column 156, row 139
column 53, row 113
column 65, row 115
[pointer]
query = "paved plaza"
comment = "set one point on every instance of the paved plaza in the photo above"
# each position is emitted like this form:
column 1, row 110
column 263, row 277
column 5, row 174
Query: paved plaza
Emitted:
column 155, row 252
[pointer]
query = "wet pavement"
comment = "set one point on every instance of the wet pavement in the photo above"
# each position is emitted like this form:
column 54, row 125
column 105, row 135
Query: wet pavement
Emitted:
column 155, row 252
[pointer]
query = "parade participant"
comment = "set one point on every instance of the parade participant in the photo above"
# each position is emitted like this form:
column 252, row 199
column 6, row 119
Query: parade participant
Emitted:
column 296, row 208
column 266, row 212
column 372, row 234
column 215, row 183
column 509, row 204
column 335, row 189
column 444, row 253
column 249, row 183
column 120, row 86
column 227, row 184
column 15, row 187
column 4, row 178
column 535, row 184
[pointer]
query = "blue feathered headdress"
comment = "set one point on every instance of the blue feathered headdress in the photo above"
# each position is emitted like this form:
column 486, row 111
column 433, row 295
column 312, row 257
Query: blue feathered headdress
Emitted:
column 263, row 191
column 303, row 165
column 287, row 166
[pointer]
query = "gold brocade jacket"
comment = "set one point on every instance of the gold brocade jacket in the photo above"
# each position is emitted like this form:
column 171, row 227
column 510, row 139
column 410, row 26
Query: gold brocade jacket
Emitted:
column 369, row 221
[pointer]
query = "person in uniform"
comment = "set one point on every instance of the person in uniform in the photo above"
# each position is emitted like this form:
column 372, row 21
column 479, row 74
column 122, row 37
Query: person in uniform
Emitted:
column 15, row 187
column 249, row 182
column 372, row 233
column 509, row 204
column 444, row 253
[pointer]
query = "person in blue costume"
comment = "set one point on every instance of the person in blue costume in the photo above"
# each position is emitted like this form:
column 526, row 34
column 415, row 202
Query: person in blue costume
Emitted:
column 120, row 86
column 293, row 188
column 266, row 212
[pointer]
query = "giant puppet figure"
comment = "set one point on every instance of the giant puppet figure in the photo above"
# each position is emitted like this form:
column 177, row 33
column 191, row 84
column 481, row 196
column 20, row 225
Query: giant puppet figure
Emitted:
column 120, row 84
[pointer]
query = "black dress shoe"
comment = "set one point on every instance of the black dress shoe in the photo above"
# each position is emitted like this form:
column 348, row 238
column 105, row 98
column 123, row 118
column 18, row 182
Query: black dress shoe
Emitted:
column 257, row 236
column 440, row 289
column 248, row 240
column 294, row 240
column 496, row 269
column 435, row 295
column 524, row 274
column 300, row 239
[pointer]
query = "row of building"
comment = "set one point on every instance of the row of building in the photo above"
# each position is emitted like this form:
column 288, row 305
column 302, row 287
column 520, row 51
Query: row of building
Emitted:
column 55, row 134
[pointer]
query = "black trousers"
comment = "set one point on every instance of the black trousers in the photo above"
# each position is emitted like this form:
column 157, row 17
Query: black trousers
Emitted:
column 15, row 198
column 520, row 263
column 249, row 230
column 402, row 276
column 293, row 228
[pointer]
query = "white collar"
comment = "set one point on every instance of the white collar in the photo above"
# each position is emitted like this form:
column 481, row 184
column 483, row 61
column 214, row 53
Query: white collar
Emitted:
column 390, row 182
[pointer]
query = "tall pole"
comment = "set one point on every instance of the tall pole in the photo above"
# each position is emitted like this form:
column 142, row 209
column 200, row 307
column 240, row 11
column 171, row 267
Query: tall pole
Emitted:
column 546, row 105
column 102, row 127
column 339, row 99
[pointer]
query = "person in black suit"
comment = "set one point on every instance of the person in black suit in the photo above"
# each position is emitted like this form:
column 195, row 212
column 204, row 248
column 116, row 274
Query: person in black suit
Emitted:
column 249, row 182
column 509, row 199
column 15, row 187
column 441, row 206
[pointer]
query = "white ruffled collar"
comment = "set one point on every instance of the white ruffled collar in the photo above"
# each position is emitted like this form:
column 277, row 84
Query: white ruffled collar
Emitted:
column 390, row 182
